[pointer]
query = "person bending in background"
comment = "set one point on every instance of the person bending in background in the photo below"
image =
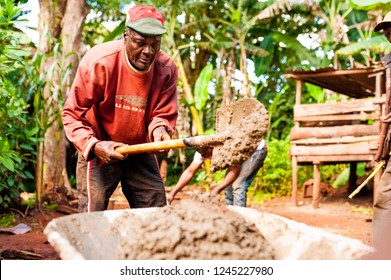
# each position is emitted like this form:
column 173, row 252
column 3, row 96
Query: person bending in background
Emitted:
column 238, row 178
column 199, row 157
column 236, row 193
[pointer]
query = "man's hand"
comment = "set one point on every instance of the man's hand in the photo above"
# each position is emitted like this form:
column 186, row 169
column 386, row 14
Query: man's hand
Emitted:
column 105, row 151
column 170, row 198
column 160, row 134
column 215, row 191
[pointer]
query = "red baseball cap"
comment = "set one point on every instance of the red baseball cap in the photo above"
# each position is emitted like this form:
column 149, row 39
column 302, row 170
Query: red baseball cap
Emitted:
column 145, row 20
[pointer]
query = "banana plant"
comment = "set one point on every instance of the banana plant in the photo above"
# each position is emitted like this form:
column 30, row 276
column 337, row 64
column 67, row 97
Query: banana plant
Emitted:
column 378, row 44
column 371, row 4
column 369, row 44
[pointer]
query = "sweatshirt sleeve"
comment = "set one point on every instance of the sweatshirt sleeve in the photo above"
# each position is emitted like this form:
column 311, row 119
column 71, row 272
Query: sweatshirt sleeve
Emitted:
column 82, row 96
column 165, row 112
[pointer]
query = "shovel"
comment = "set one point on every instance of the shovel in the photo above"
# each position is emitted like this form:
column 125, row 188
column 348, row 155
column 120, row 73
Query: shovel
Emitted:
column 240, row 126
column 18, row 229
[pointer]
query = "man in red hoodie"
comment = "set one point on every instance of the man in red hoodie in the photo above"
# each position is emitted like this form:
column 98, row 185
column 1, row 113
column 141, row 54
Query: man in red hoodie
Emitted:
column 124, row 92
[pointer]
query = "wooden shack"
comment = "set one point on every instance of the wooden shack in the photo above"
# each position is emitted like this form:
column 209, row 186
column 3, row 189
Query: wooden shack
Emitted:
column 338, row 132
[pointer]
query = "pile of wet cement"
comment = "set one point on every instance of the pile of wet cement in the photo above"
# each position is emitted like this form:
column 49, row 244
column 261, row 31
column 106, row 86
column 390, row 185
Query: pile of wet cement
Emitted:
column 192, row 229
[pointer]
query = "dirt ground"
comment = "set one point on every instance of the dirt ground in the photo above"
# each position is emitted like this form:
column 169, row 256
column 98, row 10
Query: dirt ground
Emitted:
column 336, row 213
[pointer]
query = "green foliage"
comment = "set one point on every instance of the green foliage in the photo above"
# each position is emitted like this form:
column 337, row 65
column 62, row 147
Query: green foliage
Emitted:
column 201, row 177
column 116, row 33
column 371, row 4
column 174, row 166
column 7, row 220
column 377, row 44
column 275, row 177
column 104, row 11
column 25, row 114
column 304, row 173
column 31, row 202
column 201, row 93
column 330, row 173
column 51, row 206
column 174, row 171
column 343, row 177
column 280, row 110
column 17, row 137
column 316, row 93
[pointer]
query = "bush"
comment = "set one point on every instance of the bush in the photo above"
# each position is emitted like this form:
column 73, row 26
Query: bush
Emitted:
column 17, row 139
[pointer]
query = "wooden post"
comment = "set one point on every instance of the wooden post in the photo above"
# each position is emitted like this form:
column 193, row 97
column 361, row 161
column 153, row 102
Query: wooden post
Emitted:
column 316, row 187
column 298, row 92
column 352, row 177
column 294, row 158
column 294, row 180
column 298, row 97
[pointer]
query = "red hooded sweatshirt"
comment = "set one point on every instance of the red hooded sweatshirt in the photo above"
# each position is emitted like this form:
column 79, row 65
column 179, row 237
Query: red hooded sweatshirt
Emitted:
column 110, row 100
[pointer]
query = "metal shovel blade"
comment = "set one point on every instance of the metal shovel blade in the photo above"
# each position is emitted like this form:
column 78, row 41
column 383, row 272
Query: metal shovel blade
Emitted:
column 244, row 123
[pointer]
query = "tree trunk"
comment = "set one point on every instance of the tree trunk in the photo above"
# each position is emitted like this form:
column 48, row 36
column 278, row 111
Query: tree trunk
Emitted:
column 229, row 73
column 58, row 20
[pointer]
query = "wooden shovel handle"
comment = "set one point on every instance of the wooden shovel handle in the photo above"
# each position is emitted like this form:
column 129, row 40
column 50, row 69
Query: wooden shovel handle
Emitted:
column 151, row 147
column 193, row 142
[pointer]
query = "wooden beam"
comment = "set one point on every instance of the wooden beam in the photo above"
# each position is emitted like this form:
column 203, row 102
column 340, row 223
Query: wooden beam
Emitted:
column 332, row 73
column 334, row 150
column 346, row 107
column 362, row 116
column 316, row 187
column 336, row 140
column 333, row 131
column 335, row 159
column 294, row 180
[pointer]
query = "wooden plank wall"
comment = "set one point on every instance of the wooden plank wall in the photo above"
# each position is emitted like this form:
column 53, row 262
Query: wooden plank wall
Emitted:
column 334, row 133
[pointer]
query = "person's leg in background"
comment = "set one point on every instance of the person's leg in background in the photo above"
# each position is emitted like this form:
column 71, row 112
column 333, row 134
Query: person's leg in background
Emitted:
column 228, row 195
column 258, row 160
column 247, row 174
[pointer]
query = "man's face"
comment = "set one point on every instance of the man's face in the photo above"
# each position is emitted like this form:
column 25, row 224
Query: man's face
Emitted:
column 387, row 33
column 141, row 49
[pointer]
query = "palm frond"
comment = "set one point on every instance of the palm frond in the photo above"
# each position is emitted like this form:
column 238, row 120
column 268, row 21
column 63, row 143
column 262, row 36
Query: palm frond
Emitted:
column 291, row 42
column 256, row 51
column 378, row 43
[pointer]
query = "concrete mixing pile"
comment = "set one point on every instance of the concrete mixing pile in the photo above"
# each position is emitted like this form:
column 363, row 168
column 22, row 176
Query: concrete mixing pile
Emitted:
column 191, row 229
column 194, row 230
